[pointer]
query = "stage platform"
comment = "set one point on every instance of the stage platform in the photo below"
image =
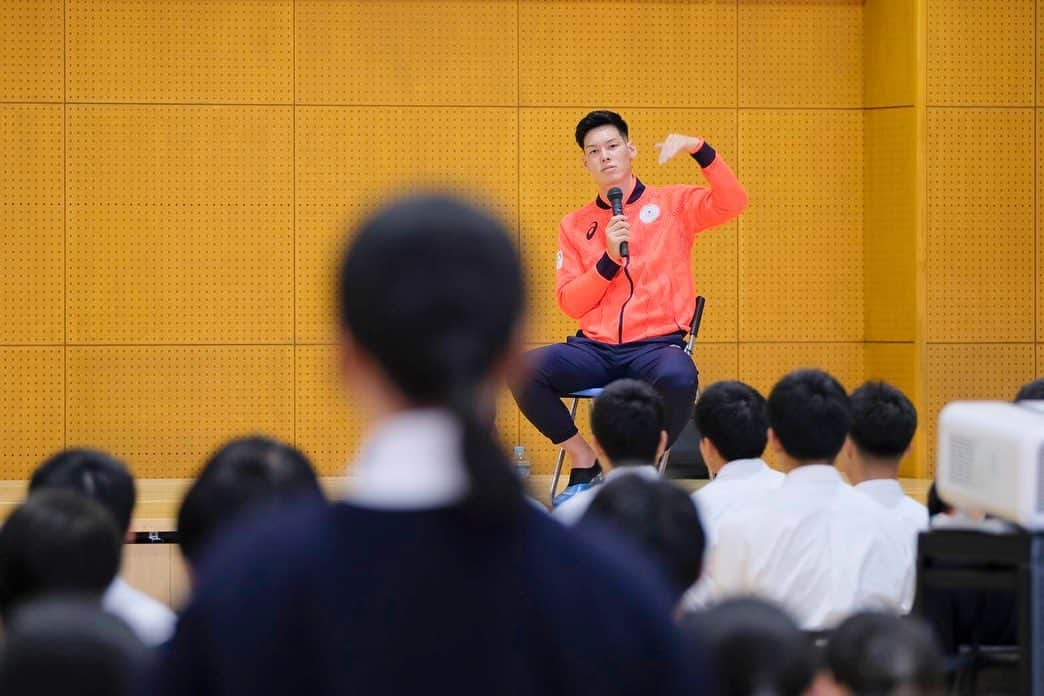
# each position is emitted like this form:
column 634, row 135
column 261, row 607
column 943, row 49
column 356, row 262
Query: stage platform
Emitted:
column 158, row 569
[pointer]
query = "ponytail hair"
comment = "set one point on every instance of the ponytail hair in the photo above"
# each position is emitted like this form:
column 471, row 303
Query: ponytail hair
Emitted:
column 431, row 288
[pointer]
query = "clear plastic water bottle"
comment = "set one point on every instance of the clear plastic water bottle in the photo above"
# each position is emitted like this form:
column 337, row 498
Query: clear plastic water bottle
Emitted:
column 521, row 463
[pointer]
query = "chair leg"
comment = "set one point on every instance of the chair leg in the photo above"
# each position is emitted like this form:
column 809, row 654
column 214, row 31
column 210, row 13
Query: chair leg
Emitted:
column 662, row 466
column 561, row 452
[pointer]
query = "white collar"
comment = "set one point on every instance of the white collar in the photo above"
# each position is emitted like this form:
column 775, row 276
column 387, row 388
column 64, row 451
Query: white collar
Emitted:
column 411, row 461
column 739, row 469
column 883, row 490
column 813, row 474
column 646, row 471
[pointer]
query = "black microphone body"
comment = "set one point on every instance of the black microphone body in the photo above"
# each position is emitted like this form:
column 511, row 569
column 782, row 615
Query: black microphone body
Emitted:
column 615, row 196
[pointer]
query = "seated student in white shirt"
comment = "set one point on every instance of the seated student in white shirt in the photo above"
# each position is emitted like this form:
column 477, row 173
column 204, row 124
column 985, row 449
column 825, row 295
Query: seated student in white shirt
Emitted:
column 107, row 480
column 733, row 433
column 815, row 545
column 630, row 436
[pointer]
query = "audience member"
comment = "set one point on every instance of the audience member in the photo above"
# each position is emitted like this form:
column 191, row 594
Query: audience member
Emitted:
column 879, row 654
column 815, row 545
column 1033, row 391
column 630, row 435
column 57, row 542
column 108, row 481
column 61, row 646
column 883, row 426
column 658, row 516
column 754, row 647
column 733, row 433
column 435, row 575
column 244, row 477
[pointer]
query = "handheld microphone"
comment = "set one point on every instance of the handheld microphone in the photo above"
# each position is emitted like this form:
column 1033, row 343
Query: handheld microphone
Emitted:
column 615, row 196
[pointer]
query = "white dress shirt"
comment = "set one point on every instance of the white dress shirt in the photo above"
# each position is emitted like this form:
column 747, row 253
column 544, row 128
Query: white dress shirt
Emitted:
column 570, row 512
column 411, row 461
column 815, row 546
column 152, row 621
column 908, row 517
column 737, row 483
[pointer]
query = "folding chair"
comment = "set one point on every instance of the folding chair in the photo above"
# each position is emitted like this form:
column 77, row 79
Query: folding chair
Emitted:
column 694, row 330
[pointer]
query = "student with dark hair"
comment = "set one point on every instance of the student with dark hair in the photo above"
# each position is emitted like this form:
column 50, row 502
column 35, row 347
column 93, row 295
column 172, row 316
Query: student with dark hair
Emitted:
column 247, row 476
column 754, row 648
column 434, row 575
column 883, row 426
column 1032, row 391
column 630, row 436
column 660, row 518
column 627, row 279
column 876, row 654
column 733, row 426
column 107, row 480
column 57, row 542
column 815, row 545
column 62, row 646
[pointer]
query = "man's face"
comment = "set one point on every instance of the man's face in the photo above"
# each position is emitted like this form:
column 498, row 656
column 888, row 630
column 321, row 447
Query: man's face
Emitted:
column 608, row 155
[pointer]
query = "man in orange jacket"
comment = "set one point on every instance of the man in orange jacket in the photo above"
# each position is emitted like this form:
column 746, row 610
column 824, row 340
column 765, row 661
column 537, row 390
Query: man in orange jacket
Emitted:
column 633, row 312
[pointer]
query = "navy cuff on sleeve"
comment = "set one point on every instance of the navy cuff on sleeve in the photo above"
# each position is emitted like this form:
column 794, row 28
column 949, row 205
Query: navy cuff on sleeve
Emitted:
column 705, row 155
column 607, row 268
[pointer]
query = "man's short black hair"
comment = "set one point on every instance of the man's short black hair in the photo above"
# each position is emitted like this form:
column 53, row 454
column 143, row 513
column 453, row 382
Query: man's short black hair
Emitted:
column 61, row 645
column 661, row 518
column 95, row 474
column 879, row 653
column 597, row 119
column 810, row 414
column 245, row 476
column 57, row 541
column 883, row 420
column 1034, row 391
column 732, row 416
column 627, row 419
column 755, row 647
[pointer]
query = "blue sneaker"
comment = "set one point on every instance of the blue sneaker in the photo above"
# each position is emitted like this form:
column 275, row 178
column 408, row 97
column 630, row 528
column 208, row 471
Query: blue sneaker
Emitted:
column 572, row 490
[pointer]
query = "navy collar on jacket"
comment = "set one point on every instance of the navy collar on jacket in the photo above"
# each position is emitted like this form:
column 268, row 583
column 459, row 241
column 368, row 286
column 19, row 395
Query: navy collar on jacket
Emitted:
column 639, row 189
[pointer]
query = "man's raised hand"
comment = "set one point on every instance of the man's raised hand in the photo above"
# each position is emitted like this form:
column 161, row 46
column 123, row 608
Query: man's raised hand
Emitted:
column 675, row 143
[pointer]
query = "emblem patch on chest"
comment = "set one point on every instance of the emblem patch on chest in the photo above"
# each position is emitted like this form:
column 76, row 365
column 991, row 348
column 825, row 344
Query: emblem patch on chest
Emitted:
column 649, row 213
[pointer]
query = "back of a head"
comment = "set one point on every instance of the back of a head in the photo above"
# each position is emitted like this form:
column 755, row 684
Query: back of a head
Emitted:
column 883, row 421
column 627, row 420
column 661, row 518
column 936, row 505
column 1033, row 391
column 732, row 416
column 243, row 477
column 57, row 541
column 96, row 474
column 756, row 648
column 809, row 412
column 56, row 647
column 431, row 290
column 879, row 654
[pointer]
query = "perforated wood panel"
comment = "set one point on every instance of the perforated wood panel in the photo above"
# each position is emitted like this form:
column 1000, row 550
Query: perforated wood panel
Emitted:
column 238, row 51
column 980, row 225
column 890, row 223
column 716, row 362
column 611, row 53
column 328, row 419
column 31, row 210
column 800, row 53
column 164, row 409
column 800, row 263
column 763, row 364
column 889, row 52
column 980, row 52
column 349, row 159
column 553, row 182
column 1040, row 225
column 458, row 52
column 179, row 224
column 31, row 37
column 32, row 401
column 971, row 371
